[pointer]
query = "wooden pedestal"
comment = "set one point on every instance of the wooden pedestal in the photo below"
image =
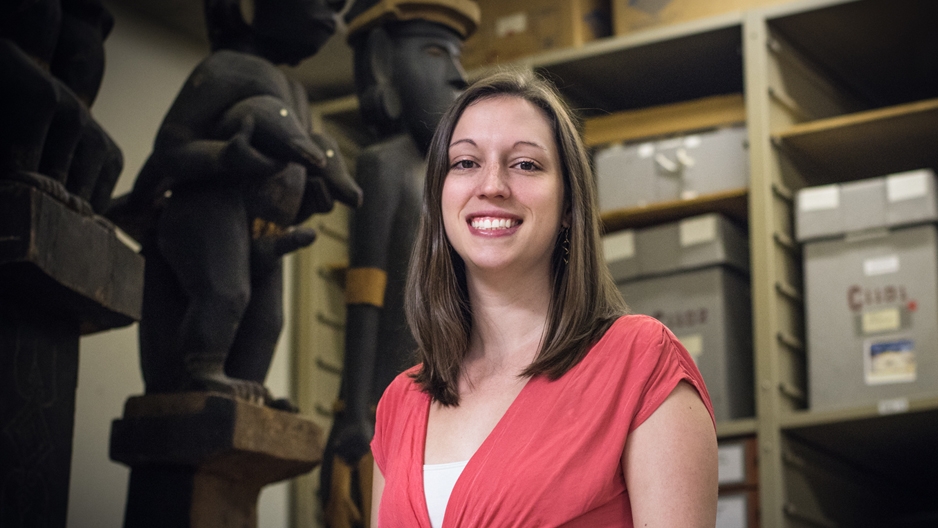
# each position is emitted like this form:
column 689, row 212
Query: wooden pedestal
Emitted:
column 62, row 274
column 200, row 459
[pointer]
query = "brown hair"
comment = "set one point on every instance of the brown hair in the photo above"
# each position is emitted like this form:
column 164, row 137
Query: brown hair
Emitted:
column 584, row 299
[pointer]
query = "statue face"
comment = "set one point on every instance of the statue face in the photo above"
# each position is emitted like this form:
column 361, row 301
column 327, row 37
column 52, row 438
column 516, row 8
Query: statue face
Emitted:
column 289, row 31
column 426, row 74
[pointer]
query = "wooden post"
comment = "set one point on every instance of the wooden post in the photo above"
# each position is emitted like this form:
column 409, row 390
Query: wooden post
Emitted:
column 200, row 459
column 62, row 274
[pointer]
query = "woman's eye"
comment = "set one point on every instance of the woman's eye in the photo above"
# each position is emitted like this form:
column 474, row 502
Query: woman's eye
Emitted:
column 527, row 166
column 463, row 164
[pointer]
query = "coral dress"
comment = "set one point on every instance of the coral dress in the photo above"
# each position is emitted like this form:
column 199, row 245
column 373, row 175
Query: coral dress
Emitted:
column 554, row 458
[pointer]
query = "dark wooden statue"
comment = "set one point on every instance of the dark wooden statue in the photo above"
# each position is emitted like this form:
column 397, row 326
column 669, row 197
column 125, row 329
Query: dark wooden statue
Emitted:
column 63, row 271
column 234, row 170
column 407, row 73
column 52, row 59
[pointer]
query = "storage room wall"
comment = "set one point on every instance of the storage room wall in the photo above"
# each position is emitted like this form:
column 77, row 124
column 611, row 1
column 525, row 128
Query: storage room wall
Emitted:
column 146, row 66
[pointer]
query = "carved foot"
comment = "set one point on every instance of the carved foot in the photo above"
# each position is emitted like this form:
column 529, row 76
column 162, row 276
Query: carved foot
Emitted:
column 250, row 391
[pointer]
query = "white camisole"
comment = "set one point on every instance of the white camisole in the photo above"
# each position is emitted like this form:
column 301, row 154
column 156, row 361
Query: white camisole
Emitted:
column 438, row 482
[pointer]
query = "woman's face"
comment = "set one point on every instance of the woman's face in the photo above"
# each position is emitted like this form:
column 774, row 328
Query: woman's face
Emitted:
column 502, row 198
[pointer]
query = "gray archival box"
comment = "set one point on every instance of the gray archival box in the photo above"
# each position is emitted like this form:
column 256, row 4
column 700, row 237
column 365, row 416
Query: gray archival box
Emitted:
column 676, row 168
column 692, row 275
column 871, row 289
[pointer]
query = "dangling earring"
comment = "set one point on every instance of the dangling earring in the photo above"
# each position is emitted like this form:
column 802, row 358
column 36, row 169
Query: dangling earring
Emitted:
column 566, row 245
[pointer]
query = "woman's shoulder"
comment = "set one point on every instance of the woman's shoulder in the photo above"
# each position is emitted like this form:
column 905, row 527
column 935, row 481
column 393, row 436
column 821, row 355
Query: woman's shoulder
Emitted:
column 636, row 326
column 403, row 386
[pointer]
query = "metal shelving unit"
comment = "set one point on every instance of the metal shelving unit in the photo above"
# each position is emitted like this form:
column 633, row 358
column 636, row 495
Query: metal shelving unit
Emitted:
column 834, row 91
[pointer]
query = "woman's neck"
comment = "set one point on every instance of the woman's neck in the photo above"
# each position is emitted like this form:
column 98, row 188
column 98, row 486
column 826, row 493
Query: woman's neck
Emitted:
column 508, row 321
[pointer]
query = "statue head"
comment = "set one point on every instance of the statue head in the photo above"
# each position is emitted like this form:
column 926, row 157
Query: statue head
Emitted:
column 281, row 31
column 407, row 70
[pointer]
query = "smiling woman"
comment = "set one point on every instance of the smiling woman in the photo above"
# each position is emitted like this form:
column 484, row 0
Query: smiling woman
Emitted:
column 503, row 197
column 536, row 402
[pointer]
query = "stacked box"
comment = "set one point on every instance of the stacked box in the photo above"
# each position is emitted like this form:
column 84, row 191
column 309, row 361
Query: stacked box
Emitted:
column 692, row 276
column 676, row 168
column 871, row 289
column 738, row 477
column 511, row 29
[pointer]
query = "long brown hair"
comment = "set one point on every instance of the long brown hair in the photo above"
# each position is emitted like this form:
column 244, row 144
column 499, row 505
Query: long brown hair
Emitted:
column 584, row 299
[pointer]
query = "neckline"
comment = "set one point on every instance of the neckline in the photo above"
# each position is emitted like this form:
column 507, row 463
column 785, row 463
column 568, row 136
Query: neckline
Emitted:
column 474, row 461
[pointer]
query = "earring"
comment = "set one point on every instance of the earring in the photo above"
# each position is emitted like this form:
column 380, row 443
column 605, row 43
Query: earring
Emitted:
column 566, row 245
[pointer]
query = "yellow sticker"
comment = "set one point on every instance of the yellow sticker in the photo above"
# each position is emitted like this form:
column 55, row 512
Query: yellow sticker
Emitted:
column 881, row 321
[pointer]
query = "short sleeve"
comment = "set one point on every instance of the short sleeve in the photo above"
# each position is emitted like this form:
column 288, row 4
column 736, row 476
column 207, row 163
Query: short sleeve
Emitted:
column 667, row 364
column 388, row 415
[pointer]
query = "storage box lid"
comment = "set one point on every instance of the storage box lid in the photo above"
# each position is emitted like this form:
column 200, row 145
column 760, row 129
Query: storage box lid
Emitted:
column 696, row 242
column 895, row 200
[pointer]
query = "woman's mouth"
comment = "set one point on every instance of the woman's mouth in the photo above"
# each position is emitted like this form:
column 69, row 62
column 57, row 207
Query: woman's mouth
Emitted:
column 489, row 223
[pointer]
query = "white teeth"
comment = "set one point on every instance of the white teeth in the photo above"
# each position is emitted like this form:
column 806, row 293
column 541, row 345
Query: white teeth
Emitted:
column 493, row 223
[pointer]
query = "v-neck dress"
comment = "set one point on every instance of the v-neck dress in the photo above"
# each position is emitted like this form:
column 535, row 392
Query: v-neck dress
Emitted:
column 554, row 458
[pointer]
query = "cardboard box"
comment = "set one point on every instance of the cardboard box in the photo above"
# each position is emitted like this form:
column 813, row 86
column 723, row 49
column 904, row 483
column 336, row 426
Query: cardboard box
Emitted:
column 634, row 15
column 871, row 305
column 691, row 275
column 899, row 199
column 511, row 29
column 871, row 290
column 738, row 509
column 738, row 464
column 676, row 168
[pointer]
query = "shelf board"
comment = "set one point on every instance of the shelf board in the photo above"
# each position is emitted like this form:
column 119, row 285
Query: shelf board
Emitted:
column 865, row 144
column 882, row 51
column 734, row 428
column 733, row 203
column 650, row 67
column 683, row 117
column 898, row 446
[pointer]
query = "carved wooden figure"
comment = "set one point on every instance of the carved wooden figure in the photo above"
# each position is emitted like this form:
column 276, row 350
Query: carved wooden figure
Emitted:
column 407, row 73
column 234, row 170
column 63, row 272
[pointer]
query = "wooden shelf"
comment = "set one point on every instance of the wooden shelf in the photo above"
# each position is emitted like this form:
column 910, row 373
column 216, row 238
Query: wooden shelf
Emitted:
column 649, row 68
column 899, row 447
column 882, row 52
column 865, row 144
column 733, row 203
column 684, row 117
column 734, row 428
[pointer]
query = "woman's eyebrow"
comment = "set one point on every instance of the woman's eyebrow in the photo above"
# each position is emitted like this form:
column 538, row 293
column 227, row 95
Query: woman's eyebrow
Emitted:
column 531, row 143
column 466, row 140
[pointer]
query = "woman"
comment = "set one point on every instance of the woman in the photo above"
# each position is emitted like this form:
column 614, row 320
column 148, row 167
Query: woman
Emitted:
column 536, row 402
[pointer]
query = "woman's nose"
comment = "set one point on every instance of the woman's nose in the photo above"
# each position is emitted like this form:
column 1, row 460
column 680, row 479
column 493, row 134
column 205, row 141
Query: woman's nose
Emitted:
column 494, row 182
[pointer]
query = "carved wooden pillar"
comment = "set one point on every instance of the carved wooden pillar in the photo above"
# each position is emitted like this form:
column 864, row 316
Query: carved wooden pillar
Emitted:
column 200, row 459
column 62, row 274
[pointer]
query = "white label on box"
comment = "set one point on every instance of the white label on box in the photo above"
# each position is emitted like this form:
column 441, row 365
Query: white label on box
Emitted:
column 668, row 144
column 698, row 230
column 881, row 265
column 692, row 141
column 881, row 321
column 646, row 150
column 907, row 185
column 893, row 406
column 819, row 198
column 619, row 246
column 890, row 360
column 511, row 24
column 694, row 345
column 731, row 512
column 732, row 464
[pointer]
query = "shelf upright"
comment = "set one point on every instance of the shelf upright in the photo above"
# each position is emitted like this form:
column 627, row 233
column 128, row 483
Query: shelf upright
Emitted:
column 763, row 200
